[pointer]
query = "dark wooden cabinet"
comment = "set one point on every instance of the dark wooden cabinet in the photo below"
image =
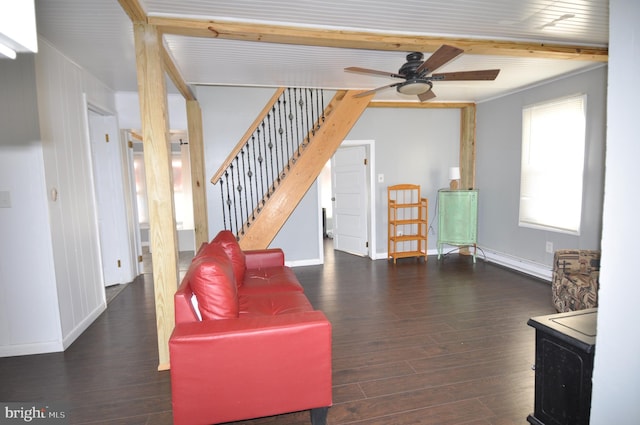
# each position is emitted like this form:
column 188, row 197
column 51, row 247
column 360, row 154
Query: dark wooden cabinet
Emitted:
column 565, row 347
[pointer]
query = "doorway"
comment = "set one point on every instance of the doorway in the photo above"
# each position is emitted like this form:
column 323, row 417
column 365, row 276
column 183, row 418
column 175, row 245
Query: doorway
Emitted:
column 111, row 213
column 182, row 193
column 348, row 198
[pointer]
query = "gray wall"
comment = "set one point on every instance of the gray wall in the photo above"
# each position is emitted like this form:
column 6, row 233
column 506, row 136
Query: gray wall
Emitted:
column 411, row 146
column 499, row 136
column 227, row 112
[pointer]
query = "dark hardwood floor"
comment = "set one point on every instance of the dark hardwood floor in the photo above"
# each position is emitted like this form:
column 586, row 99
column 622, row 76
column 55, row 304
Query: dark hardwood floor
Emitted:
column 435, row 343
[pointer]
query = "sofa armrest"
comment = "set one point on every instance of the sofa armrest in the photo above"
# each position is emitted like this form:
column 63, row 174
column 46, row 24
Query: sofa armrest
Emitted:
column 261, row 258
column 226, row 370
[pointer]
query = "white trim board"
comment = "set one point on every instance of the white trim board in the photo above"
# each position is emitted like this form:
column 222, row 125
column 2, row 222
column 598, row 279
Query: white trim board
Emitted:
column 529, row 267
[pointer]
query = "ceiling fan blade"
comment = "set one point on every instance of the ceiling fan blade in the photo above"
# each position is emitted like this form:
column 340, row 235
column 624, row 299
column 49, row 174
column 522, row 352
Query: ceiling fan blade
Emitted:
column 368, row 92
column 487, row 74
column 359, row 70
column 444, row 54
column 426, row 96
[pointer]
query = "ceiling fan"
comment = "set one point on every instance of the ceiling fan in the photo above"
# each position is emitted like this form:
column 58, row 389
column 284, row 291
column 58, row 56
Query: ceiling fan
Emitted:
column 418, row 74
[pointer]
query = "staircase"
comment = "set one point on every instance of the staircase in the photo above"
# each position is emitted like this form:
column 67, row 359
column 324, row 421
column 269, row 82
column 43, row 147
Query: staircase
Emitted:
column 280, row 156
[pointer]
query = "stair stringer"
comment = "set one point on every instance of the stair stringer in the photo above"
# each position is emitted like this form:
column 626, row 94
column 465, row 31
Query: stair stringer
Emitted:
column 345, row 112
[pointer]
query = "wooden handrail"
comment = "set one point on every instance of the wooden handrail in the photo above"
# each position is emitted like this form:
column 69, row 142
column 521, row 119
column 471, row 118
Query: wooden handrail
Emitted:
column 227, row 162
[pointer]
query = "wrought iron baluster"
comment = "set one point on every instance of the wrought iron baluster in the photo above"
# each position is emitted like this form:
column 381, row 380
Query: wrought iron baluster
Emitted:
column 294, row 121
column 234, row 202
column 224, row 211
column 243, row 188
column 290, row 122
column 312, row 105
column 269, row 165
column 253, row 183
column 283, row 150
column 229, row 202
column 261, row 161
column 323, row 104
column 302, row 119
column 285, row 131
column 273, row 146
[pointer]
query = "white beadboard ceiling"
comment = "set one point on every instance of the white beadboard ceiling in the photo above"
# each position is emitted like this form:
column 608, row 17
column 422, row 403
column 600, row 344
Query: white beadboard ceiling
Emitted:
column 98, row 35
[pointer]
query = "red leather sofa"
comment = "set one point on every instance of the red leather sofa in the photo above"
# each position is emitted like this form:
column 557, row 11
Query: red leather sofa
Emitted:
column 247, row 342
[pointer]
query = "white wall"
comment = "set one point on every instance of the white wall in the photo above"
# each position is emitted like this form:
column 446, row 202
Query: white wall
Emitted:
column 128, row 111
column 616, row 376
column 67, row 160
column 29, row 317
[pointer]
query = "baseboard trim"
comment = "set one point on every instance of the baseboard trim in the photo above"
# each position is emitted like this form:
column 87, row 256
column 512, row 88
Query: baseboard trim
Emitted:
column 29, row 349
column 53, row 346
column 83, row 325
column 522, row 265
column 301, row 263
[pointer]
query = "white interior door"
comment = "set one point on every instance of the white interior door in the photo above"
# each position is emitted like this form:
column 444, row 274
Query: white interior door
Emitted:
column 349, row 187
column 109, row 190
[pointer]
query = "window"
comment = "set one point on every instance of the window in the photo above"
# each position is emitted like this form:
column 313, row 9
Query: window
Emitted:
column 553, row 144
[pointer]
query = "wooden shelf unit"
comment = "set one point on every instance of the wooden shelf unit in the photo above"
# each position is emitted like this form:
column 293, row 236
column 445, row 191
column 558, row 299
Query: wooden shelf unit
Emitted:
column 408, row 222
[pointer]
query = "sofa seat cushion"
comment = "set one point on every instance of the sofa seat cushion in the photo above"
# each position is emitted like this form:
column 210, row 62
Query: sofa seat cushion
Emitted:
column 211, row 278
column 269, row 280
column 273, row 304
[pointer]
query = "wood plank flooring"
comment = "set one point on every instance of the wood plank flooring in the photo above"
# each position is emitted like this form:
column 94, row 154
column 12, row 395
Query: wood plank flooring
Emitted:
column 435, row 343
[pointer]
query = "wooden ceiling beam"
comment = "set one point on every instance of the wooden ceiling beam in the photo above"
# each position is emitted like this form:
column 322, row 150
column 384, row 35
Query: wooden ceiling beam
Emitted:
column 419, row 105
column 370, row 40
column 136, row 13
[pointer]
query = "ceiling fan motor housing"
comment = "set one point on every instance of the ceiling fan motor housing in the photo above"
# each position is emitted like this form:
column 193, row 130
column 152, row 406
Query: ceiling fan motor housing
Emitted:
column 414, row 60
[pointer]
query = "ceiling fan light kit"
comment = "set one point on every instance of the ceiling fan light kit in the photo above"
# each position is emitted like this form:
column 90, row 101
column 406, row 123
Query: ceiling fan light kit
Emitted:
column 415, row 86
column 418, row 73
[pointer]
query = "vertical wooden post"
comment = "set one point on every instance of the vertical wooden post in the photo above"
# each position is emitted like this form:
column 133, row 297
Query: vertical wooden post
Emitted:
column 467, row 153
column 468, row 147
column 159, row 177
column 196, row 148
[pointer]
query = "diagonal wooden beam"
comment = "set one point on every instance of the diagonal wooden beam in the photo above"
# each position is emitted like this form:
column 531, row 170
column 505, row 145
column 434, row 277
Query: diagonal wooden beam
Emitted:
column 134, row 9
column 345, row 110
column 174, row 73
column 370, row 40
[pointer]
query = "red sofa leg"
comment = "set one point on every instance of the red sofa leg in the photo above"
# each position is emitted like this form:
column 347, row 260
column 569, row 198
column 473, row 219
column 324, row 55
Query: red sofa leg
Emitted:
column 319, row 416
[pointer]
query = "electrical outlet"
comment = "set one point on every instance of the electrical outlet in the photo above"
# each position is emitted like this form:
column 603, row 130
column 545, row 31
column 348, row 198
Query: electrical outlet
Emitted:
column 549, row 247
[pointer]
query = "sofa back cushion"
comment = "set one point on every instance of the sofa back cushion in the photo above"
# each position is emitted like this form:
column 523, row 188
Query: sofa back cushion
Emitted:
column 230, row 245
column 212, row 281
